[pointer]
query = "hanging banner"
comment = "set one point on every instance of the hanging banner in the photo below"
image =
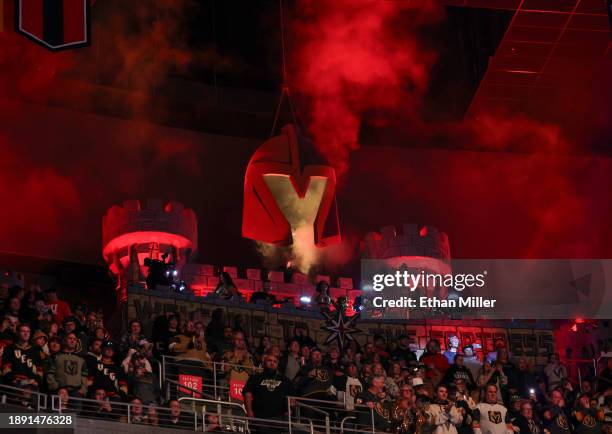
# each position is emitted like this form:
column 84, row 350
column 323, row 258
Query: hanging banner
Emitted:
column 54, row 24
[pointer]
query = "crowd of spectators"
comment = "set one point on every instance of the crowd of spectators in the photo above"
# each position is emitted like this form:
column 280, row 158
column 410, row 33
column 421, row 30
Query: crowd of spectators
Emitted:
column 49, row 346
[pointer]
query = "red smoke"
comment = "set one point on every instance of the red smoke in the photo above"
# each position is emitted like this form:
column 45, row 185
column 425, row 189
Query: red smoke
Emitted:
column 353, row 58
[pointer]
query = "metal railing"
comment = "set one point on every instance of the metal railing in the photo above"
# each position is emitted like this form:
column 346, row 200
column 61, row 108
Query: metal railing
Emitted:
column 331, row 416
column 212, row 375
column 130, row 413
column 23, row 397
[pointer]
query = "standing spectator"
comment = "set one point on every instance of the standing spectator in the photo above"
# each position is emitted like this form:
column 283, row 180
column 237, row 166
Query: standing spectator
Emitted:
column 491, row 417
column 59, row 308
column 604, row 379
column 349, row 386
column 443, row 415
column 555, row 418
column 435, row 362
column 492, row 375
column 71, row 324
column 555, row 372
column 290, row 363
column 143, row 384
column 525, row 380
column 265, row 394
column 527, row 422
column 301, row 335
column 453, row 349
column 315, row 379
column 226, row 289
column 458, row 371
column 21, row 363
column 373, row 398
column 68, row 370
column 108, row 375
column 587, row 419
column 215, row 331
column 403, row 351
column 134, row 337
column 238, row 364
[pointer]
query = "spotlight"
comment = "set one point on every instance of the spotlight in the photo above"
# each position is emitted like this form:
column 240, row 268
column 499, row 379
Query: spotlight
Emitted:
column 167, row 273
column 304, row 299
column 175, row 273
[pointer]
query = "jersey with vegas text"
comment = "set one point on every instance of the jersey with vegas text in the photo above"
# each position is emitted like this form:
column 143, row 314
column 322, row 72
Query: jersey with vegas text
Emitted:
column 21, row 363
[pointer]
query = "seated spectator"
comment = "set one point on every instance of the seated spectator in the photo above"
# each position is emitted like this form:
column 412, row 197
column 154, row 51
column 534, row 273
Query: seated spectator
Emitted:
column 136, row 414
column 176, row 418
column 263, row 295
column 226, row 289
column 68, row 370
column 100, row 409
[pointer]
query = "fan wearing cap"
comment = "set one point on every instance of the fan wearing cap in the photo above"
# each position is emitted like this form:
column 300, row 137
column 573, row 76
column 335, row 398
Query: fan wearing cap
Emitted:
column 108, row 375
column 420, row 391
column 67, row 369
column 314, row 378
column 491, row 417
column 21, row 363
column 71, row 325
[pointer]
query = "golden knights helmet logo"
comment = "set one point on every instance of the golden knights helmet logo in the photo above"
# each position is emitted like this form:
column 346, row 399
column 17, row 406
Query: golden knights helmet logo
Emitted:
column 495, row 417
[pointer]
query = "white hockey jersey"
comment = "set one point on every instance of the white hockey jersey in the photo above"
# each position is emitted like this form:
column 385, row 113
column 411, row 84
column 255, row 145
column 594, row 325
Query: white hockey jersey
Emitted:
column 491, row 419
